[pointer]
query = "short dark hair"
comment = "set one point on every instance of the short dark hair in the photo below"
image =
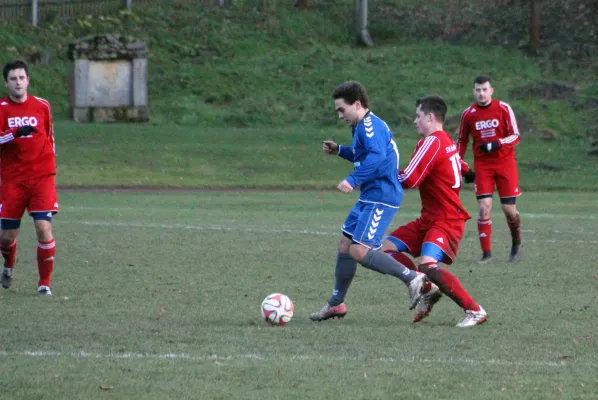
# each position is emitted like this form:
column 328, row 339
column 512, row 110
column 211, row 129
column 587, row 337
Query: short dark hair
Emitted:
column 352, row 91
column 16, row 64
column 481, row 79
column 433, row 104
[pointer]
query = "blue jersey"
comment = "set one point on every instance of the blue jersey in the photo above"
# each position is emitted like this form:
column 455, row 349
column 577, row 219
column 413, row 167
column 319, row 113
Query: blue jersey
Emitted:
column 375, row 156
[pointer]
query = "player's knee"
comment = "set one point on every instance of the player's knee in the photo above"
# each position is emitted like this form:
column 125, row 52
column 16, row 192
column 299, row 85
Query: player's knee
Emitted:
column 508, row 207
column 6, row 241
column 484, row 209
column 388, row 246
column 358, row 252
column 344, row 244
column 43, row 229
column 427, row 265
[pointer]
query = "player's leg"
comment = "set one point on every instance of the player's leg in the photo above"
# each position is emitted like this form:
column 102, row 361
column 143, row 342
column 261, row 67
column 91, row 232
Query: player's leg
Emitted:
column 367, row 249
column 14, row 201
column 441, row 245
column 400, row 257
column 485, row 227
column 430, row 294
column 514, row 222
column 345, row 269
column 407, row 239
column 46, row 251
column 507, row 182
column 484, row 189
column 8, row 246
column 42, row 207
column 396, row 246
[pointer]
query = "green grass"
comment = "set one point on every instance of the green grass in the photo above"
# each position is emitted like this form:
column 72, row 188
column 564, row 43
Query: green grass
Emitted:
column 267, row 64
column 288, row 157
column 156, row 295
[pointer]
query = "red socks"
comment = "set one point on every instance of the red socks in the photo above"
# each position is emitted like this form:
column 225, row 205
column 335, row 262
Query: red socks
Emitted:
column 450, row 285
column 10, row 254
column 485, row 234
column 45, row 261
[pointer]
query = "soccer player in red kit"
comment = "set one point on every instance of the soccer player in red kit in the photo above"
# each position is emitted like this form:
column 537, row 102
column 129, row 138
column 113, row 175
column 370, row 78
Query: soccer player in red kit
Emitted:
column 493, row 127
column 435, row 168
column 27, row 167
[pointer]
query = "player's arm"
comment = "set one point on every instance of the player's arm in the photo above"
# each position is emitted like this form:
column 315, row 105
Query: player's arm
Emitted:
column 13, row 133
column 464, row 133
column 466, row 172
column 342, row 151
column 50, row 127
column 421, row 163
column 513, row 138
column 346, row 152
column 8, row 135
column 376, row 154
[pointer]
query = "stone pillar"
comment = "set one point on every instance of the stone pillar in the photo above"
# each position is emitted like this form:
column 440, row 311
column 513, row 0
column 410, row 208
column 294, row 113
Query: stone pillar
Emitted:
column 108, row 79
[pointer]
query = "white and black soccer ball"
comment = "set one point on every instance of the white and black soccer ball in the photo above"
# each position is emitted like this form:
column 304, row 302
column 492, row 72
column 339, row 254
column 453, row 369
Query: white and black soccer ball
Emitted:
column 277, row 309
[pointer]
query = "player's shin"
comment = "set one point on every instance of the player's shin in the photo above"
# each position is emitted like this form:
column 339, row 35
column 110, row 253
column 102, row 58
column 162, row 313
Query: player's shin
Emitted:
column 449, row 285
column 45, row 261
column 514, row 223
column 385, row 264
column 346, row 266
column 10, row 254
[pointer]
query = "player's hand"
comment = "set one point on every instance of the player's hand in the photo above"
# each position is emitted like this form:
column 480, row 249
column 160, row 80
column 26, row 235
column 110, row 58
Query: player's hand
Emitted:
column 469, row 176
column 330, row 147
column 345, row 187
column 490, row 146
column 25, row 131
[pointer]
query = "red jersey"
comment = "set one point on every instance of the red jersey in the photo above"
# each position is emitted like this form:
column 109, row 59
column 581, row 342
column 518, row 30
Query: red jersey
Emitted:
column 494, row 122
column 436, row 168
column 27, row 157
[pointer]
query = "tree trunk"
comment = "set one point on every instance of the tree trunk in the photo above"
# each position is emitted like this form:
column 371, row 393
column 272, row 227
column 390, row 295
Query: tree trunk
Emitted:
column 534, row 27
column 302, row 4
column 361, row 8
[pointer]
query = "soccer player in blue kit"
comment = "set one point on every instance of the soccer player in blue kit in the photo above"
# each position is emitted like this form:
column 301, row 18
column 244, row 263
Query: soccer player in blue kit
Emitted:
column 375, row 157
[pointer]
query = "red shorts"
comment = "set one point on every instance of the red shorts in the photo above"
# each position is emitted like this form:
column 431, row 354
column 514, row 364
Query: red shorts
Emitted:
column 504, row 175
column 444, row 233
column 35, row 195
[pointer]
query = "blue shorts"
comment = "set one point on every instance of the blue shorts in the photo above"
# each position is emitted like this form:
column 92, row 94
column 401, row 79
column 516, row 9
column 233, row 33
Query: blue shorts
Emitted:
column 367, row 223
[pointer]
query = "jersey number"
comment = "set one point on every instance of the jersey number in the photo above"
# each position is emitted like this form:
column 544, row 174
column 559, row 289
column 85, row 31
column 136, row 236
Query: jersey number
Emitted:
column 455, row 162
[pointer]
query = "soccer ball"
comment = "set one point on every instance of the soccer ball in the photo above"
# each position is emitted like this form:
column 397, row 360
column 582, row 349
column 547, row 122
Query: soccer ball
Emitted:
column 277, row 309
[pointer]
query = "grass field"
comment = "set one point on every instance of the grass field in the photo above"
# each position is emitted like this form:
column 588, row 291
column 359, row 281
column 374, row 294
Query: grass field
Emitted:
column 157, row 292
column 156, row 295
column 268, row 157
column 267, row 64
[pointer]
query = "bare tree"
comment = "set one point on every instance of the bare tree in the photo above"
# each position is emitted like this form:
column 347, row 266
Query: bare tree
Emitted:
column 361, row 11
column 534, row 26
column 302, row 4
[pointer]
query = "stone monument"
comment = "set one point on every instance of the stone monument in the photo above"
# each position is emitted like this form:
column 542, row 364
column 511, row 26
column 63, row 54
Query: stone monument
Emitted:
column 108, row 79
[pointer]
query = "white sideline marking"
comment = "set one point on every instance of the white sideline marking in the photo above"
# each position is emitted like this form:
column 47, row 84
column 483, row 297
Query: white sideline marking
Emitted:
column 201, row 227
column 297, row 357
column 269, row 231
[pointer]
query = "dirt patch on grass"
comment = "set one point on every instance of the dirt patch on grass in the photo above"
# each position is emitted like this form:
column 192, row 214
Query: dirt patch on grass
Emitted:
column 544, row 90
column 541, row 167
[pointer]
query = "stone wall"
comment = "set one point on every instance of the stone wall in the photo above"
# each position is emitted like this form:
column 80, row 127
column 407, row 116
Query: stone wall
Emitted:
column 108, row 79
